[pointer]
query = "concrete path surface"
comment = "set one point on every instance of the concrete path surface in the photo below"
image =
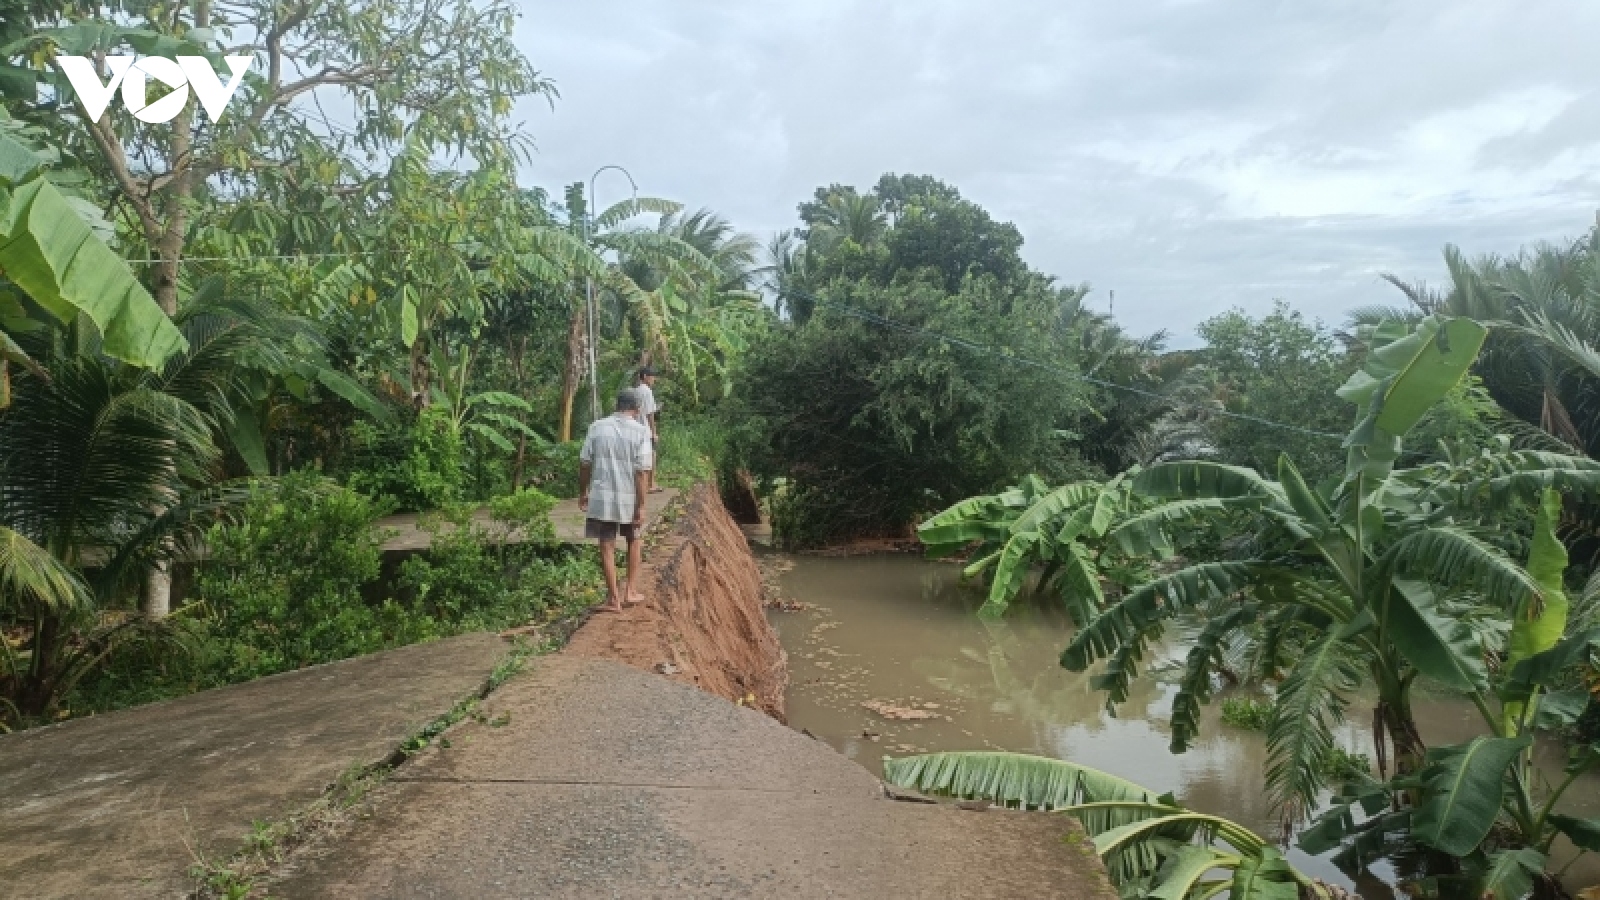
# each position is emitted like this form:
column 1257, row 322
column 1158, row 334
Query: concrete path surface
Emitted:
column 567, row 518
column 603, row 781
column 122, row 804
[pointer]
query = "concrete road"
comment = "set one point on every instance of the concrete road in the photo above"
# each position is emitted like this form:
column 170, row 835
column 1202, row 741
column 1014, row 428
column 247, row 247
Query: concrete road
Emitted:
column 604, row 781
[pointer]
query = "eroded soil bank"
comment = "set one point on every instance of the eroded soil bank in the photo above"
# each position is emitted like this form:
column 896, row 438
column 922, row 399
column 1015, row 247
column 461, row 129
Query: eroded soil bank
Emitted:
column 702, row 623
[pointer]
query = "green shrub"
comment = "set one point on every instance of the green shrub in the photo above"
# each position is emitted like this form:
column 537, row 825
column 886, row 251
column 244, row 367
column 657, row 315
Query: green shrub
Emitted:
column 473, row 575
column 420, row 465
column 283, row 589
column 1342, row 765
column 284, row 585
column 1247, row 712
column 553, row 469
column 690, row 451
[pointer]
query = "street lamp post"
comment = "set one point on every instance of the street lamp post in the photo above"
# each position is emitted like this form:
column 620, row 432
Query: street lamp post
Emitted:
column 590, row 312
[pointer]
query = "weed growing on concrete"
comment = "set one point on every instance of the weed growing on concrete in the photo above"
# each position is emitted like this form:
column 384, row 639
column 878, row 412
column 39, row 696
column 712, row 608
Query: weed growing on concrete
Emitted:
column 271, row 843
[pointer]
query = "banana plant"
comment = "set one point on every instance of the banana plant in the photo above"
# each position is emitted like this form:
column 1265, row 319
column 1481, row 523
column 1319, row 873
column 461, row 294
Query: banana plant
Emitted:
column 1383, row 578
column 51, row 256
column 489, row 415
column 1151, row 845
column 1032, row 524
column 1379, row 578
column 1489, row 785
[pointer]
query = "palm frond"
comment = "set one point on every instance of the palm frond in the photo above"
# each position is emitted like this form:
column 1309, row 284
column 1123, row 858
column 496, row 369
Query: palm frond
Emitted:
column 1157, row 600
column 1194, row 686
column 29, row 574
column 1453, row 556
column 1310, row 702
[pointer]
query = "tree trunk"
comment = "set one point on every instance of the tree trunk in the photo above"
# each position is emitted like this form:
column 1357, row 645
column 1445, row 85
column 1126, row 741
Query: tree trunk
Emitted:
column 37, row 692
column 419, row 374
column 169, row 254
column 572, row 374
column 158, row 591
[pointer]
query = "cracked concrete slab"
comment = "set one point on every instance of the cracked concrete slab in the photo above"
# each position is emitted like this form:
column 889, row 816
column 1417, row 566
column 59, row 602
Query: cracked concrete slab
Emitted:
column 603, row 781
column 122, row 804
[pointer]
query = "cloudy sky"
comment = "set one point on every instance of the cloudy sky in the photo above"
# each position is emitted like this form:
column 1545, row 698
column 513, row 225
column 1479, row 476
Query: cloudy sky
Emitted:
column 1191, row 155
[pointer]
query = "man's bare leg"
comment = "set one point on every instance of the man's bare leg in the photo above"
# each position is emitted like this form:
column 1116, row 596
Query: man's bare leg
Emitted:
column 635, row 569
column 608, row 565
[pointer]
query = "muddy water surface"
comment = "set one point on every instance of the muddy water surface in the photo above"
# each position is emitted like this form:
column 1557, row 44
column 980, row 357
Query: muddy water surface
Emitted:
column 892, row 637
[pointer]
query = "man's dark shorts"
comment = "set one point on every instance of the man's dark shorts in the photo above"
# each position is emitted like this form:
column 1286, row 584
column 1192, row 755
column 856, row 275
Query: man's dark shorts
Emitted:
column 609, row 531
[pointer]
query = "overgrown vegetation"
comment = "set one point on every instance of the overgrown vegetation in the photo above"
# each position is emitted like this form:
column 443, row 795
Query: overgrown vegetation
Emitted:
column 297, row 581
column 1376, row 579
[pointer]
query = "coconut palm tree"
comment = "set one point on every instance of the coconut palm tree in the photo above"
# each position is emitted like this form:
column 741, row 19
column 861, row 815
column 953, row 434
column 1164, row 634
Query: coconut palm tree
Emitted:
column 664, row 254
column 109, row 471
column 845, row 215
column 1542, row 361
column 788, row 276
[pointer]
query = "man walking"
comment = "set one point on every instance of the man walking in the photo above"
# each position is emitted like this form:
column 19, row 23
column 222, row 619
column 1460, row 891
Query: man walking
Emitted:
column 613, row 471
column 647, row 414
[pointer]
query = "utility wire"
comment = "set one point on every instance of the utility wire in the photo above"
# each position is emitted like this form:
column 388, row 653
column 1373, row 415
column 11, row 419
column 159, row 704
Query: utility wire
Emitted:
column 1002, row 353
column 873, row 318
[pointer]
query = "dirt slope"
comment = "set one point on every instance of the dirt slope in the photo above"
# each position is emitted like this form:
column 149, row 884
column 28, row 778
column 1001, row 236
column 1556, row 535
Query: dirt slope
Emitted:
column 702, row 623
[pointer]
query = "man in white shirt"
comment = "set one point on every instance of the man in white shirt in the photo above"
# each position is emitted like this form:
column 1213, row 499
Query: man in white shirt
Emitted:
column 613, row 471
column 647, row 414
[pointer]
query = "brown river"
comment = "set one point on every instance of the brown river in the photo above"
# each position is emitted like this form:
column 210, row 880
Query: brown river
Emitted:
column 899, row 633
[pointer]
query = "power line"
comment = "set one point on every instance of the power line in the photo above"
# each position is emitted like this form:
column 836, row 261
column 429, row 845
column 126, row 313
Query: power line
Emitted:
column 870, row 317
column 999, row 353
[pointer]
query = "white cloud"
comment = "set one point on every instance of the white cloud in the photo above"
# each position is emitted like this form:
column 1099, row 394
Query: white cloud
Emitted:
column 1191, row 155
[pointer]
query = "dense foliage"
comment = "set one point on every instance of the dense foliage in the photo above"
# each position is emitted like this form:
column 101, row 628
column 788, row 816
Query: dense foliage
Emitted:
column 1375, row 580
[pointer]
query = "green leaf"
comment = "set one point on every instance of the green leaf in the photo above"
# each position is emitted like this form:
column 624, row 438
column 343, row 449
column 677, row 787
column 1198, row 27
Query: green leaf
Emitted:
column 1265, row 877
column 1462, row 786
column 1198, row 480
column 1449, row 555
column 1536, row 627
column 499, row 398
column 48, row 251
column 1053, row 504
column 973, row 519
column 27, row 570
column 1435, row 643
column 1300, row 733
column 1182, row 870
column 1402, row 379
column 1079, row 584
column 1018, row 554
column 409, row 325
column 354, row 393
column 245, row 435
column 1583, row 833
column 1016, row 780
column 494, row 437
column 1302, row 499
column 1194, row 687
column 1146, row 534
column 1510, row 874
column 1558, row 709
column 1157, row 600
column 1543, row 668
column 18, row 161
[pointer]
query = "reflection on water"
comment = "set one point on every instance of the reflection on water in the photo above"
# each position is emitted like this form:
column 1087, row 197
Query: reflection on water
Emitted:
column 902, row 631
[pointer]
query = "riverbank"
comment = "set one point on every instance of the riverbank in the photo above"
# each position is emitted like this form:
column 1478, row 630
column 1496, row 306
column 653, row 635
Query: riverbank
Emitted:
column 703, row 623
column 647, row 757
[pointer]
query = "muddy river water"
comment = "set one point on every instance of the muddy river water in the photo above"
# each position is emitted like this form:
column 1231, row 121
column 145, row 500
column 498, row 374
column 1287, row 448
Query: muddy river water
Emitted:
column 890, row 636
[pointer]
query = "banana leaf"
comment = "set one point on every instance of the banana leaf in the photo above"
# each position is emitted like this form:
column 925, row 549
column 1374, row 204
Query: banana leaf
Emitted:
column 1462, row 787
column 53, row 256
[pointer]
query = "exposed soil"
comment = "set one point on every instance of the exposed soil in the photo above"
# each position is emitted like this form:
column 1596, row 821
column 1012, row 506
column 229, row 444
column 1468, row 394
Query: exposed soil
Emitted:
column 702, row 623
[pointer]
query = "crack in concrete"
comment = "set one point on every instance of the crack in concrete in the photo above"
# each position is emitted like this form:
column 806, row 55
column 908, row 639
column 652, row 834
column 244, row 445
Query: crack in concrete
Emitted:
column 564, row 782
